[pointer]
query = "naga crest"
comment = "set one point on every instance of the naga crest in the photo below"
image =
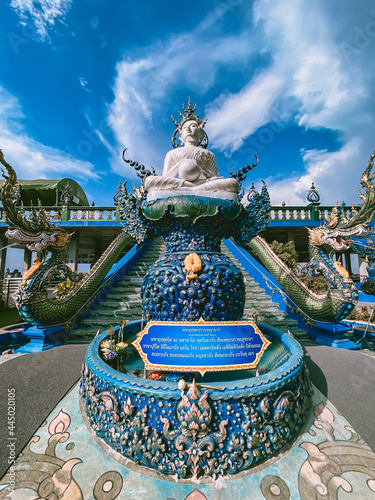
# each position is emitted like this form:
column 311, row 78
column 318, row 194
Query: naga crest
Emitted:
column 34, row 229
column 339, row 229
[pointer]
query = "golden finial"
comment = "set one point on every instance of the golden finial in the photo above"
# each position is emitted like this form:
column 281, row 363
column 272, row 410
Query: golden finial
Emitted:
column 175, row 121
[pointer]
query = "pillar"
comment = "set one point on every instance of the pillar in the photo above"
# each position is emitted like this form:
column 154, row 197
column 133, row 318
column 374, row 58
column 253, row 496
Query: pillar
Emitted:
column 290, row 234
column 27, row 255
column 98, row 249
column 3, row 256
column 72, row 257
column 348, row 264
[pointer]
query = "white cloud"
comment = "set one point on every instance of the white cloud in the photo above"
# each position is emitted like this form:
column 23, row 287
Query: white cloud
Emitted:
column 241, row 114
column 325, row 92
column 332, row 173
column 307, row 81
column 43, row 13
column 94, row 22
column 31, row 159
column 143, row 82
column 306, row 66
column 84, row 84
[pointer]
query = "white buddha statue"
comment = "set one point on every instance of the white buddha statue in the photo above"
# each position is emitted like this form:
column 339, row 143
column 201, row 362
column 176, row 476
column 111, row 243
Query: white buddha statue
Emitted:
column 191, row 169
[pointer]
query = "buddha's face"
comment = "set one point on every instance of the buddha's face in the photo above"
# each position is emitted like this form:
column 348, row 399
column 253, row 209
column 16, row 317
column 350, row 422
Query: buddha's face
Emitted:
column 190, row 133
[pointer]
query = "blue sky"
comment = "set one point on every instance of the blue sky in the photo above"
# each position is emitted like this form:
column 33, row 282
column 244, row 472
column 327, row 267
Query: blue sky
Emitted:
column 290, row 80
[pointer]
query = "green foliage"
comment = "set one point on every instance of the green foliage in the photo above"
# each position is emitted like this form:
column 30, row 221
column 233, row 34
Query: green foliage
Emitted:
column 316, row 284
column 360, row 313
column 286, row 252
column 9, row 317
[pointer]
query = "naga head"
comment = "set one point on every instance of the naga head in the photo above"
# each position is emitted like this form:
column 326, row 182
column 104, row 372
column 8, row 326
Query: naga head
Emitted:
column 339, row 230
column 34, row 228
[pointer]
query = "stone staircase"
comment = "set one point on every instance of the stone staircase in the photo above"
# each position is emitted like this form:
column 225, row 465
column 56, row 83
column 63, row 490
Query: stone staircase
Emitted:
column 258, row 301
column 123, row 301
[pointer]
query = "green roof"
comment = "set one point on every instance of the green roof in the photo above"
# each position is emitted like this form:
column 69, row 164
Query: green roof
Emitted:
column 45, row 191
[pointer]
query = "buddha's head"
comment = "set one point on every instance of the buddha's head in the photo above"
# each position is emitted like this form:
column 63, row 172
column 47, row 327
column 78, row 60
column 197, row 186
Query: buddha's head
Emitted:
column 190, row 129
column 191, row 133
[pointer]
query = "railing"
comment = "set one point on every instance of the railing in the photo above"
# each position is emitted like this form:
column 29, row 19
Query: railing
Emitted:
column 277, row 213
column 9, row 287
column 310, row 213
column 63, row 214
column 92, row 213
column 290, row 213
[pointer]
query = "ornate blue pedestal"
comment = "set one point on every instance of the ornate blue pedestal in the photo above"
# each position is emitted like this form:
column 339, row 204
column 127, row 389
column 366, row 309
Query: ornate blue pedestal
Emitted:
column 197, row 430
column 217, row 294
column 194, row 279
column 216, row 424
column 332, row 335
column 41, row 339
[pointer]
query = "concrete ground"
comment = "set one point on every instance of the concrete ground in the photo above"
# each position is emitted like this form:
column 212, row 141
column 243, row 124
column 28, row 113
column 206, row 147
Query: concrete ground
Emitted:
column 41, row 380
column 347, row 379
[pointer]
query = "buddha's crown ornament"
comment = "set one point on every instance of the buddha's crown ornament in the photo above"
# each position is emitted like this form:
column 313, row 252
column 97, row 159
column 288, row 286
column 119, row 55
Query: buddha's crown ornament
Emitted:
column 189, row 115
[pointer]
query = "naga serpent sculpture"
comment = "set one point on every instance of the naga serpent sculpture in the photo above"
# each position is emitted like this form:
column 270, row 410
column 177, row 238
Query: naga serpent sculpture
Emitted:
column 366, row 249
column 332, row 306
column 39, row 235
column 336, row 235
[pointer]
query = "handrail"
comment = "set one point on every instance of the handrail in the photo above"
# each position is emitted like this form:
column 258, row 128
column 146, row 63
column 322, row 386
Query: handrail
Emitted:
column 312, row 212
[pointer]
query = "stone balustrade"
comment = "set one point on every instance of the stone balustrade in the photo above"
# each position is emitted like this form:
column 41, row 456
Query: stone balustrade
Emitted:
column 79, row 214
column 110, row 214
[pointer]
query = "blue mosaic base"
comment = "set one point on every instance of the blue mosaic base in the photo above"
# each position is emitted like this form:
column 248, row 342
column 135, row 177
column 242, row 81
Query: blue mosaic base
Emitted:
column 64, row 459
column 217, row 294
column 194, row 432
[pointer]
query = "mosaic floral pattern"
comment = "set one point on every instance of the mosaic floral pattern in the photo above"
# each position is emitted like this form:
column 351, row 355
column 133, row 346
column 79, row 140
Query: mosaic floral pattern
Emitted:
column 321, row 475
column 49, row 476
column 328, row 449
column 195, row 435
column 216, row 294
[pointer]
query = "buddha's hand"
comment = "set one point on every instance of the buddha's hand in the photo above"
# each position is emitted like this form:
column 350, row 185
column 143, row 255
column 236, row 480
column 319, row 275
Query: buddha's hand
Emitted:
column 189, row 170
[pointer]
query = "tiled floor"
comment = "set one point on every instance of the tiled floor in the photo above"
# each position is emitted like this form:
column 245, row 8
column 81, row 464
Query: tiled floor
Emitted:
column 62, row 461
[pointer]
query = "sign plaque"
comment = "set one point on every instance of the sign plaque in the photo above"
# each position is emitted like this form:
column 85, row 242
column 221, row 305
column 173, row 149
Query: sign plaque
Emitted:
column 201, row 346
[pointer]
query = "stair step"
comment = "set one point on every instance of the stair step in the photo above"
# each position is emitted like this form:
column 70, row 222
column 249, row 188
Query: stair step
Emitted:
column 131, row 287
column 281, row 323
column 115, row 292
column 255, row 297
column 134, row 282
column 100, row 313
column 256, row 300
column 261, row 309
column 123, row 302
column 105, row 323
column 133, row 278
column 298, row 333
